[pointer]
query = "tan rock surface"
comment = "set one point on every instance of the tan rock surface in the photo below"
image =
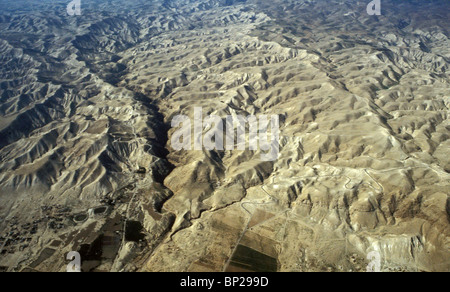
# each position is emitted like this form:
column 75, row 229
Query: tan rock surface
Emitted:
column 364, row 134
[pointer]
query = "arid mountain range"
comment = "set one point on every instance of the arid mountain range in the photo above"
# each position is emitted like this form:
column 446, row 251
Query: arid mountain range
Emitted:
column 86, row 163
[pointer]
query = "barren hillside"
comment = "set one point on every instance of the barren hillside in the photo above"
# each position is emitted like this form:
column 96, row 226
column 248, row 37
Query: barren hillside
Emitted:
column 86, row 161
